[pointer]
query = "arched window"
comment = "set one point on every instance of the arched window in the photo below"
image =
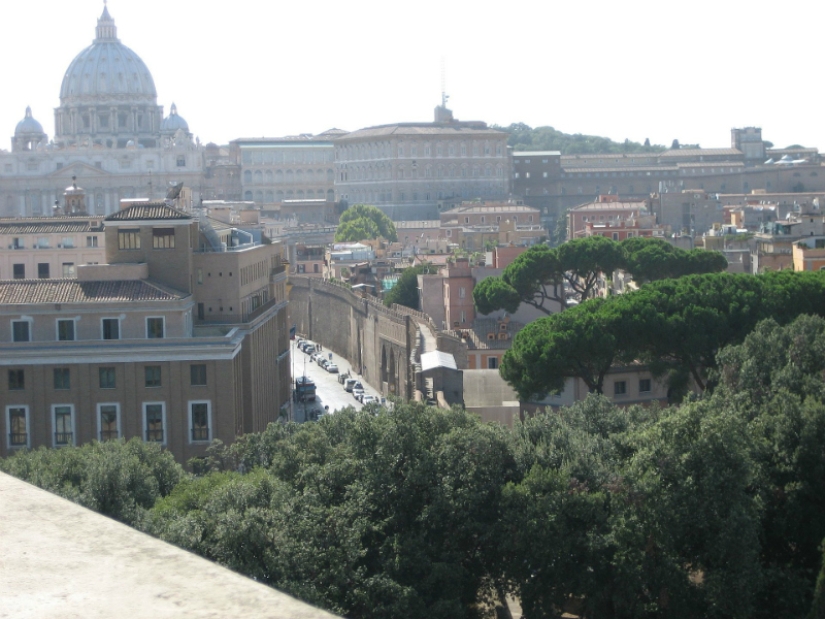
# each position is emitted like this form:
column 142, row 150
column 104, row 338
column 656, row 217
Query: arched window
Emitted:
column 247, row 195
column 259, row 197
column 279, row 177
column 247, row 177
column 268, row 177
column 259, row 177
column 270, row 197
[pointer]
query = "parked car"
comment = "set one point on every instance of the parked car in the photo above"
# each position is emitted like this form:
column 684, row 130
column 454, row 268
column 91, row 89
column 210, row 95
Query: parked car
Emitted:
column 368, row 399
column 310, row 349
column 349, row 384
column 357, row 393
column 323, row 362
column 332, row 368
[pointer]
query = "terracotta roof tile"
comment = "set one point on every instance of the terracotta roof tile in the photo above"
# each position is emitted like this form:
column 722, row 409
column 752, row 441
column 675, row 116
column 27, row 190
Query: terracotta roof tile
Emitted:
column 26, row 291
column 148, row 211
column 45, row 227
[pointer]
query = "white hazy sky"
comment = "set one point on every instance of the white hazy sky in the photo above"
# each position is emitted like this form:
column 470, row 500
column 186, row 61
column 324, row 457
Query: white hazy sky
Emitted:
column 633, row 69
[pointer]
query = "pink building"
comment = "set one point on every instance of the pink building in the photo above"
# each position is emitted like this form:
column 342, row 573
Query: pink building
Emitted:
column 458, row 294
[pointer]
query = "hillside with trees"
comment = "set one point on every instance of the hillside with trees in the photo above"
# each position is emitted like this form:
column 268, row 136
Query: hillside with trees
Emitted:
column 524, row 137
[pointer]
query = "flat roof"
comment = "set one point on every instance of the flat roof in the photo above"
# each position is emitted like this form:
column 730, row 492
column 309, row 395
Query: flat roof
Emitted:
column 437, row 359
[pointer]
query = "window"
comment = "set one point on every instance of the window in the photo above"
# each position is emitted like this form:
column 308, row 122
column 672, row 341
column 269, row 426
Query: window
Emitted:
column 17, row 380
column 197, row 375
column 620, row 387
column 111, row 328
column 62, row 378
column 19, row 271
column 153, row 421
column 107, row 377
column 108, row 420
column 644, row 385
column 199, row 420
column 462, row 292
column 155, row 328
column 68, row 269
column 181, row 162
column 492, row 363
column 152, row 375
column 200, row 275
column 18, row 424
column 163, row 238
column 63, row 424
column 67, row 242
column 20, row 331
column 65, row 330
column 43, row 270
column 91, row 241
column 128, row 239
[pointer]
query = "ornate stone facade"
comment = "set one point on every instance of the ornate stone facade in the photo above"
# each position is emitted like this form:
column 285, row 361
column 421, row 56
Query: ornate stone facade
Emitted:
column 109, row 132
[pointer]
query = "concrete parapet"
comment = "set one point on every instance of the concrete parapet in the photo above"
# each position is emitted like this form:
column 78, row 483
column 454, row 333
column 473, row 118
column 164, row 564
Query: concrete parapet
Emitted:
column 63, row 560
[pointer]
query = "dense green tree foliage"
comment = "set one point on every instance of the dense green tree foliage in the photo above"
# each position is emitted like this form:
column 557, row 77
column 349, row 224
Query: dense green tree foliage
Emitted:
column 405, row 290
column 673, row 325
column 712, row 509
column 649, row 259
column 363, row 222
column 523, row 137
column 541, row 275
column 120, row 480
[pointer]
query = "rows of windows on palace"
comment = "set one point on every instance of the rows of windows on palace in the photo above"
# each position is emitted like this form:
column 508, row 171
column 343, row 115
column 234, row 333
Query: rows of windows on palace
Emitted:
column 681, row 172
column 38, row 203
column 270, row 196
column 462, row 191
column 383, row 150
column 268, row 156
column 288, row 177
column 107, row 413
column 66, row 329
column 630, row 189
column 122, row 163
column 385, row 172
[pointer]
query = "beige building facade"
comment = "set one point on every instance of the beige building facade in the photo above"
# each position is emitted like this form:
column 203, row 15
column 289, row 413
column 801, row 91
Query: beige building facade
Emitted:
column 408, row 169
column 180, row 338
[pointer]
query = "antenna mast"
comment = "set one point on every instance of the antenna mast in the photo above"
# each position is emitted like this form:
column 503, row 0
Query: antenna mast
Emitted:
column 444, row 95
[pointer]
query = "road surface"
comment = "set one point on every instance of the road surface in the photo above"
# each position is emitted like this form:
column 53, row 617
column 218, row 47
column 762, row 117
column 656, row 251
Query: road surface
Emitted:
column 329, row 392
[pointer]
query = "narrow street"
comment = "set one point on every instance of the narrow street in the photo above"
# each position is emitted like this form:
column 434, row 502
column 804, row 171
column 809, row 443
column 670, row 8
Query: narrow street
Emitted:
column 329, row 392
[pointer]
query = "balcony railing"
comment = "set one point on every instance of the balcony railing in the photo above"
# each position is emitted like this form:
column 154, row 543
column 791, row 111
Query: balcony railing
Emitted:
column 108, row 435
column 200, row 434
column 16, row 439
column 63, row 438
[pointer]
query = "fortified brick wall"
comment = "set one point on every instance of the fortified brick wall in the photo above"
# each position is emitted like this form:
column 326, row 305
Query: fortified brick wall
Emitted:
column 376, row 339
